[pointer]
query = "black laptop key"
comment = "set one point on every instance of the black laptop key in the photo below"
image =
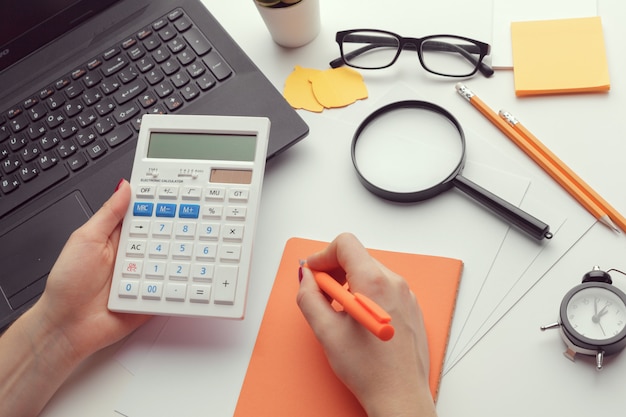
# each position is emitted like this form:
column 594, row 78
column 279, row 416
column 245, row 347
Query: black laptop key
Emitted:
column 77, row 161
column 17, row 142
column 167, row 33
column 126, row 112
column 217, row 65
column 119, row 135
column 67, row 149
column 28, row 172
column 92, row 79
column 4, row 132
column 7, row 185
column 104, row 125
column 18, row 123
column 105, row 107
column 114, row 66
column 182, row 24
column 176, row 45
column 36, row 112
column 130, row 91
column 197, row 41
column 175, row 15
column 49, row 141
column 30, row 152
column 47, row 161
column 96, row 150
column 151, row 42
column 10, row 164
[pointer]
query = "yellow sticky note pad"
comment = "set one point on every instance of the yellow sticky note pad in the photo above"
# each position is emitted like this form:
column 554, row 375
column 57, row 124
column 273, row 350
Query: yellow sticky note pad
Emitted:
column 314, row 90
column 559, row 56
column 298, row 91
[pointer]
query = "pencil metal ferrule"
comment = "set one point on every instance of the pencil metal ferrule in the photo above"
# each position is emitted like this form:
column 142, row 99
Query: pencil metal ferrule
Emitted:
column 512, row 120
column 465, row 92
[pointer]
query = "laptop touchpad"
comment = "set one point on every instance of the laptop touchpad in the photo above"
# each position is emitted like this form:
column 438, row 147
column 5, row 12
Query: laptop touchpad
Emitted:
column 29, row 250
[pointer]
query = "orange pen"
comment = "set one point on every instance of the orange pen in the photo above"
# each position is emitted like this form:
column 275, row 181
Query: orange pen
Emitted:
column 361, row 308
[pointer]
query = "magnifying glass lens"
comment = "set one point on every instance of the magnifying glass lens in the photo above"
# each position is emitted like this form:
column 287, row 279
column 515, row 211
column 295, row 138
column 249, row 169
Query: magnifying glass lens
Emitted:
column 409, row 151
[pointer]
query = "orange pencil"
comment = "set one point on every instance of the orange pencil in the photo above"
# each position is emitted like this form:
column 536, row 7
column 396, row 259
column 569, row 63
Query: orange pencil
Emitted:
column 564, row 170
column 550, row 164
column 359, row 307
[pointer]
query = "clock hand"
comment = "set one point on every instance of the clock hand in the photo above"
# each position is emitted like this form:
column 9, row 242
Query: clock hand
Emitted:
column 603, row 311
column 595, row 318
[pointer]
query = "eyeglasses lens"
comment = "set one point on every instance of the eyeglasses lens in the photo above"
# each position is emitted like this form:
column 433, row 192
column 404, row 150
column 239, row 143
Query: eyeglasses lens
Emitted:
column 450, row 56
column 369, row 50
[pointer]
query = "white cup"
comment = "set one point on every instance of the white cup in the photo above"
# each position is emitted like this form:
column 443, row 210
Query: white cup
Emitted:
column 292, row 26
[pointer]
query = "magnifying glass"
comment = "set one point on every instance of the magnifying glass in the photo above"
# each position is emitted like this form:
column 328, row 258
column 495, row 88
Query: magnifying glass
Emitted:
column 395, row 163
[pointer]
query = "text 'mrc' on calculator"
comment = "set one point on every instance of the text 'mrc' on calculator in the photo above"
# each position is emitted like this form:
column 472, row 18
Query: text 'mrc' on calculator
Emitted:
column 186, row 242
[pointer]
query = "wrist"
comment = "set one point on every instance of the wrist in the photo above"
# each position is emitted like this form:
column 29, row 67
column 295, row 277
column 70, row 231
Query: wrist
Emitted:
column 49, row 340
column 409, row 403
column 35, row 359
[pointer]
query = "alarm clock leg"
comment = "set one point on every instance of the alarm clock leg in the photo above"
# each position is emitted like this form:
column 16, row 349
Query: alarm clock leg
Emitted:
column 599, row 359
column 570, row 354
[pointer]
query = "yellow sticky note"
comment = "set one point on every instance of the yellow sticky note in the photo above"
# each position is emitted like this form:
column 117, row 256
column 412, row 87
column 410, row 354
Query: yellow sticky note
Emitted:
column 559, row 56
column 298, row 91
column 338, row 87
column 313, row 90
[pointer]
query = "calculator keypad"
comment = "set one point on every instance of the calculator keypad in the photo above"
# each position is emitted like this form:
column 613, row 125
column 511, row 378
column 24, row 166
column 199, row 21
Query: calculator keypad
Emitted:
column 184, row 244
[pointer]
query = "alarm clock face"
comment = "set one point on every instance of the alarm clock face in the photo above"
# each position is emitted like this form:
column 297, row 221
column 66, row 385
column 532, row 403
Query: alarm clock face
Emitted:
column 596, row 313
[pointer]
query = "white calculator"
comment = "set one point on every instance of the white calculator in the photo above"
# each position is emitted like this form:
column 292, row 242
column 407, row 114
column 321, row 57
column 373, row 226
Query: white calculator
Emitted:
column 186, row 242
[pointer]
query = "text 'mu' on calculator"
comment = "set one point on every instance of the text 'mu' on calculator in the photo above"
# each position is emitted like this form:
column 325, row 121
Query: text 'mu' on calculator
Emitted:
column 186, row 242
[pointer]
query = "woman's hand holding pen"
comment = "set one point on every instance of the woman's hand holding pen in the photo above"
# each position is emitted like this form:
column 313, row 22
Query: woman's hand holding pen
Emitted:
column 388, row 378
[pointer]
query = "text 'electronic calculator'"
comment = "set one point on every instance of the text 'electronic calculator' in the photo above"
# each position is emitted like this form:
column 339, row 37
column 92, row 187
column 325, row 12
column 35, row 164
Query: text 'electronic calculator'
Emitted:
column 186, row 242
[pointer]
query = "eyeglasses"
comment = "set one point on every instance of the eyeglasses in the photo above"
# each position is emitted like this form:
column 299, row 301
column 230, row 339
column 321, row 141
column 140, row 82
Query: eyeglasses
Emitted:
column 447, row 55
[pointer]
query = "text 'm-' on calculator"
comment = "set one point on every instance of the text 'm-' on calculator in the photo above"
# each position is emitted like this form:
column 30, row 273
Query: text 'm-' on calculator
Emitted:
column 186, row 242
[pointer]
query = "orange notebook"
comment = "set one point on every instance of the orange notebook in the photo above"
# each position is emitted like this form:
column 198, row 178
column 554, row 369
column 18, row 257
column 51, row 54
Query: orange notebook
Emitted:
column 289, row 375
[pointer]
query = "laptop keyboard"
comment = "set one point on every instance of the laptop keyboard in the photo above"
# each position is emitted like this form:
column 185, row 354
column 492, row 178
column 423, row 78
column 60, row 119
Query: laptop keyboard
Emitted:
column 81, row 118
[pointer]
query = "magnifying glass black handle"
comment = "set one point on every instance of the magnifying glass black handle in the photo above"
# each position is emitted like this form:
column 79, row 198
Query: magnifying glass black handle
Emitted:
column 513, row 214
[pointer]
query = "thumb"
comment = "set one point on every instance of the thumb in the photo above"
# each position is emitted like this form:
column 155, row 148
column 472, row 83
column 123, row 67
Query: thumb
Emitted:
column 111, row 213
column 313, row 303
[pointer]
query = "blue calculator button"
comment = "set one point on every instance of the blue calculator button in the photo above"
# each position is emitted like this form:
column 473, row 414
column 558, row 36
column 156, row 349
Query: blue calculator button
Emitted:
column 166, row 210
column 189, row 211
column 143, row 209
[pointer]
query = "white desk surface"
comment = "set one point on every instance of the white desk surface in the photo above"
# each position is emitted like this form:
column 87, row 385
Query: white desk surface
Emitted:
column 310, row 191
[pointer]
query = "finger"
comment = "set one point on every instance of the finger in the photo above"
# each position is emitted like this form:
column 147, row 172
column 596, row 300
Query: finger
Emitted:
column 314, row 305
column 347, row 253
column 111, row 213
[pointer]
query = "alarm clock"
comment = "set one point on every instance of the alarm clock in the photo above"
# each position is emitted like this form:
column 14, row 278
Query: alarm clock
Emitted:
column 592, row 317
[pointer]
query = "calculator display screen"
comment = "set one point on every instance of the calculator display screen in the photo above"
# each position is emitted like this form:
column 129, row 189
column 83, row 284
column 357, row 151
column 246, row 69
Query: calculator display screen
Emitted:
column 202, row 146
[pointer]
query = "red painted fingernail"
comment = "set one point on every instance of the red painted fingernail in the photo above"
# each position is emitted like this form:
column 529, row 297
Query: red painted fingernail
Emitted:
column 119, row 184
column 300, row 274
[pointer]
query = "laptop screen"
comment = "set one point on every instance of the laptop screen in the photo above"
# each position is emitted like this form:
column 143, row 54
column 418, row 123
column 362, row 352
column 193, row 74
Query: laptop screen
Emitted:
column 26, row 29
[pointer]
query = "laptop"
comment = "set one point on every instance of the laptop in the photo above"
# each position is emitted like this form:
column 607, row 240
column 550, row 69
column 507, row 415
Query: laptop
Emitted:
column 75, row 78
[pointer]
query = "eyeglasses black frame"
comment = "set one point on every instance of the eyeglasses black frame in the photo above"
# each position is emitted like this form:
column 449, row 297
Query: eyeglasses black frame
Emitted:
column 416, row 44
